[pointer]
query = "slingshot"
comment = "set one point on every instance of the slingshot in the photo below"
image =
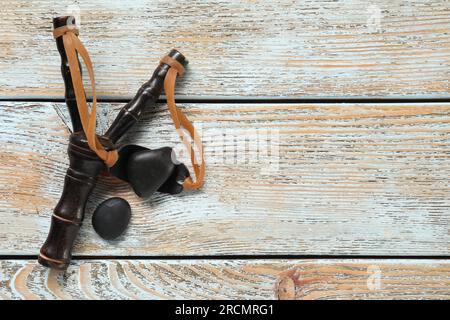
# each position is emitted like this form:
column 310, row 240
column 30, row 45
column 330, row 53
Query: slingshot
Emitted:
column 89, row 154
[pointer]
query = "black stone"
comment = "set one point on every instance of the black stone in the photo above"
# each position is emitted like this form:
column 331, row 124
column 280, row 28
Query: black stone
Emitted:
column 174, row 184
column 111, row 218
column 119, row 169
column 148, row 170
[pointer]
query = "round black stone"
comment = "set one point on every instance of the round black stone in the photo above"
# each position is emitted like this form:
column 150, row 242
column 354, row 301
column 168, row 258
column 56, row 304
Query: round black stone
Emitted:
column 111, row 218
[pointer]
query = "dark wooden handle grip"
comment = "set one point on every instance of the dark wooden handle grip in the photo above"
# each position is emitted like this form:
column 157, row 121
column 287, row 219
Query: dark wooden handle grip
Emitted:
column 68, row 214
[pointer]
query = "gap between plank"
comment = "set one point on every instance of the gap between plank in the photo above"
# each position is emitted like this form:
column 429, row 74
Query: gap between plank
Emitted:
column 243, row 100
column 239, row 257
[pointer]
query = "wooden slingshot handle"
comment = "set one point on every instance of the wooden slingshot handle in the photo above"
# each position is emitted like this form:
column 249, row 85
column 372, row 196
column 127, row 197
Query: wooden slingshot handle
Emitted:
column 85, row 165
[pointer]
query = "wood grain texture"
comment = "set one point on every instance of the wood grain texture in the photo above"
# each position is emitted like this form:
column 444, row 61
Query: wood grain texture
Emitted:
column 238, row 48
column 364, row 179
column 224, row 279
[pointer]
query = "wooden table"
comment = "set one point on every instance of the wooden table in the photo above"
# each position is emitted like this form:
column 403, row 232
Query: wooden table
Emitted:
column 346, row 194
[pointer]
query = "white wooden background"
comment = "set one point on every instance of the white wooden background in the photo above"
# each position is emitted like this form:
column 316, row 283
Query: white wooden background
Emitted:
column 350, row 179
column 283, row 48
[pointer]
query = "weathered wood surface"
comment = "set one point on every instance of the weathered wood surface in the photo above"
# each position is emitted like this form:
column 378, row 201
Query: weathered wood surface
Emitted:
column 238, row 48
column 346, row 179
column 224, row 279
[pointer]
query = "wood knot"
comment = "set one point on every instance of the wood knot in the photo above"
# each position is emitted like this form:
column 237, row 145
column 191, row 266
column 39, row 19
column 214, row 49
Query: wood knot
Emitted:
column 290, row 282
column 285, row 289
